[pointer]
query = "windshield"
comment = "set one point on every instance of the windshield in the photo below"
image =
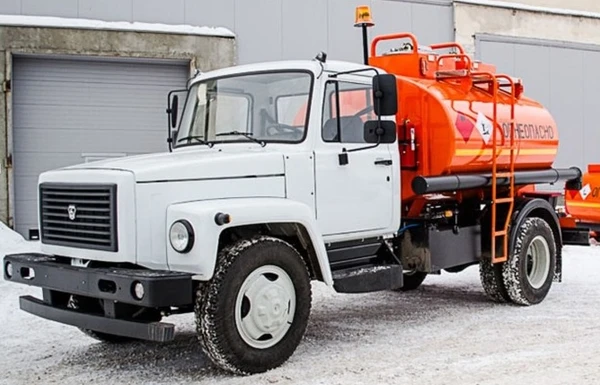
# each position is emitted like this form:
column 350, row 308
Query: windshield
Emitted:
column 263, row 107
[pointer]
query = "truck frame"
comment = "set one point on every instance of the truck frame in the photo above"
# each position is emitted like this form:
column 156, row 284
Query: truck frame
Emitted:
column 264, row 190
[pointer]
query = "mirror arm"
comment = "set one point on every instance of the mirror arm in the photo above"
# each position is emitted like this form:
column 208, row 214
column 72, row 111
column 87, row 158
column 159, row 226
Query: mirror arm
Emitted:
column 169, row 113
column 365, row 148
column 378, row 101
column 354, row 71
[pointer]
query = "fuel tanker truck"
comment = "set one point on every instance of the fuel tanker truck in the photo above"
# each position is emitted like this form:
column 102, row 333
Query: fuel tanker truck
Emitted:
column 364, row 176
column 582, row 208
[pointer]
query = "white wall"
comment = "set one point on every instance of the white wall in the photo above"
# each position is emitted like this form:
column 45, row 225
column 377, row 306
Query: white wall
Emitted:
column 473, row 19
column 266, row 29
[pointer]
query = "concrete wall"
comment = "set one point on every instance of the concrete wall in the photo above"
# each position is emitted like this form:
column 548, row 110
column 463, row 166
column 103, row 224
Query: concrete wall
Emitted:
column 472, row 19
column 205, row 52
column 265, row 29
column 579, row 5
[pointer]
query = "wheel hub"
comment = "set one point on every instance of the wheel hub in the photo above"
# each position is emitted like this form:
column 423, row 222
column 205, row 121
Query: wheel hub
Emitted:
column 272, row 305
column 538, row 262
column 265, row 306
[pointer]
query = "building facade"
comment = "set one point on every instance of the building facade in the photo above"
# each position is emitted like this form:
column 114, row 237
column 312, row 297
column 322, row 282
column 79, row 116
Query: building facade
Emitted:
column 81, row 82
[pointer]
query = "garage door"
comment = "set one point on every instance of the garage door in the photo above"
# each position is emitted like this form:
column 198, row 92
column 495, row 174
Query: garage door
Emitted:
column 70, row 111
column 564, row 78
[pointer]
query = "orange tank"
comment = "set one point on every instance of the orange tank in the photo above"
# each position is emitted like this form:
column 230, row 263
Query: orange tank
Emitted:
column 584, row 205
column 446, row 114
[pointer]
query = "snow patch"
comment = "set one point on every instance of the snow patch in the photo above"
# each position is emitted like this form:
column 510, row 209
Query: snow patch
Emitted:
column 11, row 242
column 364, row 270
column 60, row 22
column 444, row 332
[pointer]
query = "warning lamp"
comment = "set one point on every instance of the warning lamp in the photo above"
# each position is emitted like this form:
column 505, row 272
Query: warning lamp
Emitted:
column 364, row 20
column 363, row 16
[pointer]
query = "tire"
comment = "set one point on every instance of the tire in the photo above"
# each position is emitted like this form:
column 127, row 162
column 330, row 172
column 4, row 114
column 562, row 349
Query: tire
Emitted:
column 262, row 273
column 412, row 281
column 529, row 272
column 492, row 281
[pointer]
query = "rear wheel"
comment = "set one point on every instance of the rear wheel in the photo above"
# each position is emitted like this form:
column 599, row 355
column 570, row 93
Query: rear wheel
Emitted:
column 492, row 281
column 253, row 313
column 530, row 269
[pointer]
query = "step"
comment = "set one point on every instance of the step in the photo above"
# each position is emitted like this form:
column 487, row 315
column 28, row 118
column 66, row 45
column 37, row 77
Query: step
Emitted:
column 366, row 279
column 504, row 200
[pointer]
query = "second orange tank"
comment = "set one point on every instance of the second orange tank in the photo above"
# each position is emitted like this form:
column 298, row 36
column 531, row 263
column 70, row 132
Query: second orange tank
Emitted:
column 584, row 205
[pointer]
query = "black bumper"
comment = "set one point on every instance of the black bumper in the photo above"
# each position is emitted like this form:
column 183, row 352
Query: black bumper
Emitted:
column 113, row 285
column 149, row 331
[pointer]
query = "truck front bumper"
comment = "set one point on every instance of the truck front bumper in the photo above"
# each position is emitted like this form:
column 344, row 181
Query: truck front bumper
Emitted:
column 111, row 286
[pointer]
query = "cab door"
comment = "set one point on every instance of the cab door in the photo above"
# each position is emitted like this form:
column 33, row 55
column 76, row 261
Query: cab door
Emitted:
column 354, row 186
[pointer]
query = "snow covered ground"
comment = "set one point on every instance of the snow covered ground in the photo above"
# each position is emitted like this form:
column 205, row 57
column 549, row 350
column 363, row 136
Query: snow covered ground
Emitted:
column 446, row 332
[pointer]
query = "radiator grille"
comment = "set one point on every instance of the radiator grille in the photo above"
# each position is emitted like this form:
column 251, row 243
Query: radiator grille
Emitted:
column 79, row 215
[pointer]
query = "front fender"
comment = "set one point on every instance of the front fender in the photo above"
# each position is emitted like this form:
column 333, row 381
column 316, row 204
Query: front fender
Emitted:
column 201, row 259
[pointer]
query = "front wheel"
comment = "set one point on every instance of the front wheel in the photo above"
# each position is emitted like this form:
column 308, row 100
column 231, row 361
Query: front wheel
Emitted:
column 253, row 313
column 529, row 272
column 412, row 280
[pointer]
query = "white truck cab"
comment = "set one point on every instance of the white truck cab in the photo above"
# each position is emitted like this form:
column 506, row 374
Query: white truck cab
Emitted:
column 279, row 174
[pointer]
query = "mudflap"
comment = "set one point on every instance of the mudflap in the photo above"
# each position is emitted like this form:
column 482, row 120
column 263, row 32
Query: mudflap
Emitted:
column 576, row 236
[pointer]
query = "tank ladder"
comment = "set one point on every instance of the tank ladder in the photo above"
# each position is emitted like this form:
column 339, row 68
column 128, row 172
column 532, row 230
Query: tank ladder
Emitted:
column 502, row 197
column 499, row 197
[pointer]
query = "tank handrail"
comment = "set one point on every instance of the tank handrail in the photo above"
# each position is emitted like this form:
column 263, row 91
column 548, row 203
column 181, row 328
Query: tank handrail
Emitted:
column 463, row 56
column 494, row 80
column 511, row 83
column 394, row 36
column 448, row 45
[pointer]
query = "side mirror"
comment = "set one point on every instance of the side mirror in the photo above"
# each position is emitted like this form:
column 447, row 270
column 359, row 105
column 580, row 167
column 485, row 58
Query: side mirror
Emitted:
column 173, row 136
column 383, row 131
column 385, row 95
column 173, row 110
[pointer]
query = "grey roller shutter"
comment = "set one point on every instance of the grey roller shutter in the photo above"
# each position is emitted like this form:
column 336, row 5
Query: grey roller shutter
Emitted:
column 69, row 111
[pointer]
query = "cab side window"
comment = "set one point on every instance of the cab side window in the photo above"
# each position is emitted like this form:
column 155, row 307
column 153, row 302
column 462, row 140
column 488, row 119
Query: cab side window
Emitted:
column 353, row 103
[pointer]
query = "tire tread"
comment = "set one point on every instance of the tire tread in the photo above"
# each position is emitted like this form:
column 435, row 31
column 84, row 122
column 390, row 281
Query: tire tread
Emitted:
column 208, row 321
column 511, row 271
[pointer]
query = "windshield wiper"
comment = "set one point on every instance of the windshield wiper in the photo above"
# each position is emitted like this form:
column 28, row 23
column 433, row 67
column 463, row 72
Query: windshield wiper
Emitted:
column 244, row 134
column 198, row 138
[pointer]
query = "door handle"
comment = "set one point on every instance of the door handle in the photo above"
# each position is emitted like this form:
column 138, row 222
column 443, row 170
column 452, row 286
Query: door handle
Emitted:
column 384, row 162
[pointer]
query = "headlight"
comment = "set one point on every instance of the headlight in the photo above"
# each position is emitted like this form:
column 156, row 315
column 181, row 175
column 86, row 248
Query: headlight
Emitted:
column 9, row 269
column 181, row 236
